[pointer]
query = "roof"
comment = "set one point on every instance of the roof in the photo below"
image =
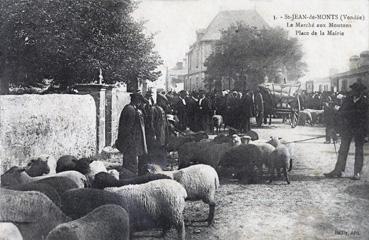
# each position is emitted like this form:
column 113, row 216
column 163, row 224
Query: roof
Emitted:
column 225, row 19
column 352, row 73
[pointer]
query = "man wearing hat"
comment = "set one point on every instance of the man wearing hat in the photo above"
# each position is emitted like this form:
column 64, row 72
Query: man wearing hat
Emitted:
column 131, row 135
column 181, row 110
column 354, row 125
column 204, row 112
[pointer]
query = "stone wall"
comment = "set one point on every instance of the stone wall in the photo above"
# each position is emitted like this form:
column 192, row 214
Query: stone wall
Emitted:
column 54, row 124
column 116, row 99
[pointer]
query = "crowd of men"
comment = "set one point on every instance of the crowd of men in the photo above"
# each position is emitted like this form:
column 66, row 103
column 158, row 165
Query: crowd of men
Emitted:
column 195, row 109
column 144, row 127
column 143, row 132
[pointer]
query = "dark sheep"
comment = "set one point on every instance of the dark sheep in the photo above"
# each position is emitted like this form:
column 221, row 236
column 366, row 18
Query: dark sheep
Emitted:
column 77, row 203
column 69, row 162
column 243, row 159
column 37, row 167
column 46, row 189
column 208, row 153
column 103, row 180
column 254, row 135
column 108, row 222
column 66, row 163
column 175, row 142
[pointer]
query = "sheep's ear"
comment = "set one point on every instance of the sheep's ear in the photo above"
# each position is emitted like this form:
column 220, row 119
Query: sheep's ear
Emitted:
column 279, row 138
column 271, row 137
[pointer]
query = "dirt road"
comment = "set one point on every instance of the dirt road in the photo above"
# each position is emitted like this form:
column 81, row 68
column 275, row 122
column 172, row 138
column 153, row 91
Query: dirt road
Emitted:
column 311, row 207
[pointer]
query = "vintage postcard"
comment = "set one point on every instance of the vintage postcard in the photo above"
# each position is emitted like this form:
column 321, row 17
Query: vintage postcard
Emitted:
column 184, row 119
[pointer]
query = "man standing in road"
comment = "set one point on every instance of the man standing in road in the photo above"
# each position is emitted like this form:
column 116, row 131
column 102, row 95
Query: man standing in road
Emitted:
column 131, row 135
column 354, row 125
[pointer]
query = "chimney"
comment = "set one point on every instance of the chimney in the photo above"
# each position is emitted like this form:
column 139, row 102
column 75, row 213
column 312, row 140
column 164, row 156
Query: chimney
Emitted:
column 179, row 65
column 199, row 34
column 364, row 59
column 354, row 62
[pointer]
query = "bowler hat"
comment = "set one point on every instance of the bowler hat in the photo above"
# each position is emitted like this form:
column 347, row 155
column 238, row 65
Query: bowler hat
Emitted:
column 136, row 93
column 162, row 97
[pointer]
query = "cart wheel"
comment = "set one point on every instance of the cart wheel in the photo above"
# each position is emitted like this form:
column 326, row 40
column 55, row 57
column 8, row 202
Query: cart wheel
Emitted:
column 294, row 116
column 295, row 111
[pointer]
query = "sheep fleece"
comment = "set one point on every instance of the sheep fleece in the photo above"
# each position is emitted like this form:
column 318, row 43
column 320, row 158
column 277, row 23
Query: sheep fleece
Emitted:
column 148, row 203
column 108, row 222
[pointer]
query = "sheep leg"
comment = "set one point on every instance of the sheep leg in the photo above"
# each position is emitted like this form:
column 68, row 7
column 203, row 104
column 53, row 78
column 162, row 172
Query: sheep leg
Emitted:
column 286, row 175
column 181, row 230
column 166, row 228
column 271, row 172
column 211, row 213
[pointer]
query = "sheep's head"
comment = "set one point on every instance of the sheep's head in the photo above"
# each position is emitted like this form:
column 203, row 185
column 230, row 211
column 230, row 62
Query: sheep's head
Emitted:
column 245, row 139
column 236, row 140
column 12, row 177
column 274, row 141
column 153, row 168
column 103, row 180
column 83, row 165
column 37, row 167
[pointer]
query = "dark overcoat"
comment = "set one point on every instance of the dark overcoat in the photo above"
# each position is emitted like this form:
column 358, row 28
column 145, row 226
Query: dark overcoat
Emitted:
column 131, row 132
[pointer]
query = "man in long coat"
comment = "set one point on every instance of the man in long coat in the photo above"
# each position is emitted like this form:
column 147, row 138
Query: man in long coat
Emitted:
column 181, row 110
column 354, row 126
column 246, row 110
column 192, row 111
column 131, row 135
column 205, row 111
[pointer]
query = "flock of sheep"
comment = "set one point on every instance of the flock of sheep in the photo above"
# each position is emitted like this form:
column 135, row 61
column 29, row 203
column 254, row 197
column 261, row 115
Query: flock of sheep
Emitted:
column 80, row 199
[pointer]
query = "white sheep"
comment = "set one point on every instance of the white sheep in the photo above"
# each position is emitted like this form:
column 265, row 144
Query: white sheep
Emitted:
column 108, row 222
column 32, row 212
column 14, row 177
column 200, row 181
column 95, row 168
column 9, row 232
column 279, row 159
column 157, row 203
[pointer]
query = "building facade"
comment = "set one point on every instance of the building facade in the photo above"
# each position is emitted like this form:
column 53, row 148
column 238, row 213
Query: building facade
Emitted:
column 205, row 45
column 359, row 69
column 175, row 77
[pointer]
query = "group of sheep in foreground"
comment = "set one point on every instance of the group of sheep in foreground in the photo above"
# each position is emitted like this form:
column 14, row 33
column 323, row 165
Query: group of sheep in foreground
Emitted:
column 80, row 199
column 245, row 160
column 75, row 204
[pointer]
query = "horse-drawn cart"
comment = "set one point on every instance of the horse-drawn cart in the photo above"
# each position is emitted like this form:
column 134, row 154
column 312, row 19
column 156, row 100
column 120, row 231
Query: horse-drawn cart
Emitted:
column 283, row 101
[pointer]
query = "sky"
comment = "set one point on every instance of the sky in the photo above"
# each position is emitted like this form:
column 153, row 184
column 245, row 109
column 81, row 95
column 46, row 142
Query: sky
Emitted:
column 174, row 23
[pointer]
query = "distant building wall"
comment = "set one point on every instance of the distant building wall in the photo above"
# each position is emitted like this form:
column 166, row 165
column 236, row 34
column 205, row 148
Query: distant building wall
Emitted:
column 54, row 124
